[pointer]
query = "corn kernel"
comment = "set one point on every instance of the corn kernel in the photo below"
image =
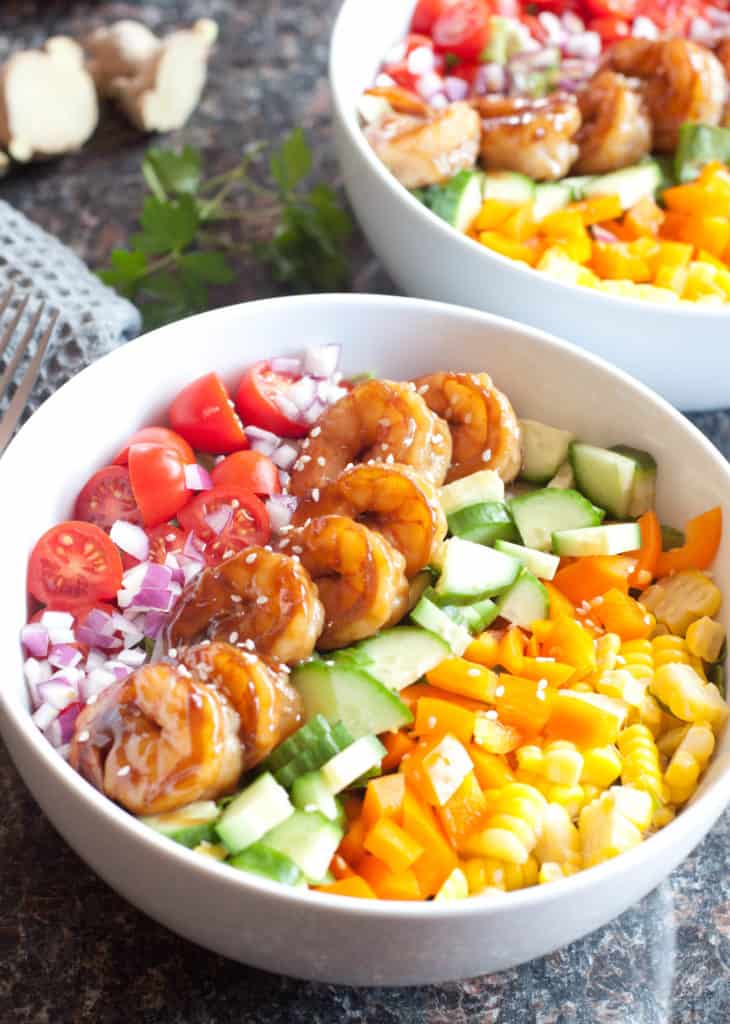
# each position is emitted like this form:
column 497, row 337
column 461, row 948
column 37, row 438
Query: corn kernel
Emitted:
column 530, row 758
column 512, row 826
column 552, row 872
column 705, row 638
column 662, row 816
column 563, row 764
column 688, row 762
column 679, row 600
column 493, row 736
column 601, row 766
column 455, row 887
column 622, row 684
column 640, row 767
column 559, row 840
column 670, row 740
column 572, row 798
column 688, row 697
column 634, row 804
column 605, row 832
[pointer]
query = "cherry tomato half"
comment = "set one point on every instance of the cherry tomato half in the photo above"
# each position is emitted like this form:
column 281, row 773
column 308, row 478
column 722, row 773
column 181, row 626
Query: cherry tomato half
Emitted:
column 164, row 539
column 106, row 497
column 249, row 523
column 157, row 435
column 256, row 401
column 203, row 413
column 157, row 476
column 610, row 29
column 251, row 470
column 426, row 13
column 624, row 9
column 463, row 28
column 73, row 564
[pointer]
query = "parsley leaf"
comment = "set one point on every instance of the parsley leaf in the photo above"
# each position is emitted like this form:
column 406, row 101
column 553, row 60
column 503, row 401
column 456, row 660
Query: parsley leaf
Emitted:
column 292, row 162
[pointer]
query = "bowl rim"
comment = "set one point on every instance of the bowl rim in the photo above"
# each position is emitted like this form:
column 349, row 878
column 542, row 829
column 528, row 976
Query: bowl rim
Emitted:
column 347, row 117
column 707, row 805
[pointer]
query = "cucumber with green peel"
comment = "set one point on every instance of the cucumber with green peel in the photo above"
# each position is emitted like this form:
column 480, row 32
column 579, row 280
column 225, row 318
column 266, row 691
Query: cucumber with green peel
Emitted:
column 474, row 617
column 471, row 571
column 258, row 808
column 525, row 602
column 604, row 476
column 550, row 196
column 262, row 860
column 307, row 737
column 310, row 792
column 630, row 184
column 483, row 486
column 483, row 523
column 577, row 185
column 314, row 748
column 541, row 514
column 643, row 492
column 351, row 763
column 540, row 563
column 399, row 656
column 189, row 825
column 700, row 144
column 508, row 186
column 507, row 37
column 432, row 618
column 309, row 840
column 564, row 479
column 458, row 200
column 544, row 450
column 612, row 539
column 344, row 692
column 672, row 538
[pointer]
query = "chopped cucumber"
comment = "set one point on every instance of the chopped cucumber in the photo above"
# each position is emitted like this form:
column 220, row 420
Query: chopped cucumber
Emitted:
column 258, row 808
column 604, row 476
column 471, row 571
column 526, row 601
column 540, row 563
column 544, row 450
column 343, row 692
column 509, row 186
column 310, row 792
column 398, row 657
column 360, row 757
column 564, row 479
column 308, row 737
column 188, row 825
column 435, row 620
column 458, row 201
column 267, row 862
column 309, row 760
column 507, row 37
column 540, row 514
column 309, row 839
column 630, row 184
column 578, row 184
column 671, row 538
column 483, row 523
column 550, row 196
column 474, row 617
column 643, row 493
column 699, row 144
column 485, row 485
column 613, row 539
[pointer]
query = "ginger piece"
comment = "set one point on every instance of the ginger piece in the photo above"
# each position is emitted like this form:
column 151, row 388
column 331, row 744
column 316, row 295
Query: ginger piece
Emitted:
column 156, row 82
column 48, row 103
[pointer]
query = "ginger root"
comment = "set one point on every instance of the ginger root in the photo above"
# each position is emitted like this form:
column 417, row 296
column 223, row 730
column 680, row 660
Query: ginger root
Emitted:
column 157, row 82
column 48, row 103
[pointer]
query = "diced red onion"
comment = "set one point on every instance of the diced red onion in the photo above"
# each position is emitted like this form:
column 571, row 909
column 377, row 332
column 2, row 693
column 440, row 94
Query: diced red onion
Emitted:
column 322, row 360
column 100, row 621
column 67, row 720
column 36, row 671
column 281, row 508
column 197, row 478
column 53, row 733
column 286, row 364
column 133, row 578
column 552, row 26
column 133, row 657
column 58, row 693
column 44, row 715
column 130, row 538
column 577, row 69
column 284, row 478
column 95, row 659
column 383, row 81
column 153, row 623
column 586, row 45
column 126, row 627
column 285, row 405
column 219, row 518
column 490, row 78
column 193, row 549
column 285, row 456
column 718, row 16
column 420, row 60
column 94, row 638
column 455, row 88
column 547, row 57
column 173, row 564
column 154, row 599
column 439, row 101
column 572, row 23
column 302, row 394
column 191, row 569
column 96, row 681
column 395, row 54
column 61, row 636
column 64, row 656
column 644, row 28
column 256, row 434
column 157, row 575
column 313, row 413
column 57, row 620
column 118, row 670
column 34, row 637
column 602, row 234
column 429, row 84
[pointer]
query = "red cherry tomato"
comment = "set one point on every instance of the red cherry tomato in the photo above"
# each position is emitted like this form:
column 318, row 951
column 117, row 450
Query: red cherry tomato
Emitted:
column 468, row 73
column 462, row 28
column 249, row 523
column 106, row 497
column 203, row 413
column 537, row 31
column 157, row 435
column 402, row 76
column 74, row 564
column 610, row 29
column 426, row 13
column 623, row 9
column 506, row 8
column 157, row 475
column 256, row 401
column 251, row 470
column 164, row 539
column 672, row 17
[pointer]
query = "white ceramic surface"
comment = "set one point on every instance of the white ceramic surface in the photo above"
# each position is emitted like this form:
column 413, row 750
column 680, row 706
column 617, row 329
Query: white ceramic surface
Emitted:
column 303, row 934
column 683, row 353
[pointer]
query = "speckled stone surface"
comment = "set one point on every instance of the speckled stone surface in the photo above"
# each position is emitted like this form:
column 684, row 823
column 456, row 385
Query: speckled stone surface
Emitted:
column 71, row 951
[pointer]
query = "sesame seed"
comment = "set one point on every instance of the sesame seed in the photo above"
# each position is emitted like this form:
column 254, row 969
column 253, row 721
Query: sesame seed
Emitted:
column 486, row 454
column 232, row 637
column 647, row 620
column 262, row 599
column 268, row 547
column 499, row 692
column 170, row 538
column 304, row 459
column 315, row 494
column 423, row 389
column 597, row 601
column 438, row 439
column 491, row 715
column 540, row 695
column 250, row 559
column 229, row 553
column 285, row 542
column 205, row 643
column 407, row 442
column 321, row 461
column 83, row 736
column 235, row 503
column 390, row 459
column 349, row 465
column 297, row 549
column 384, row 447
column 249, row 645
column 544, row 659
column 305, row 443
column 172, row 652
column 542, row 684
column 316, row 431
column 432, row 722
column 467, row 418
column 124, row 770
column 591, row 623
column 473, row 672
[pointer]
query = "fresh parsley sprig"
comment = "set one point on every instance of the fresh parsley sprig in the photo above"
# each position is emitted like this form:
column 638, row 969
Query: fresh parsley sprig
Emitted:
column 190, row 228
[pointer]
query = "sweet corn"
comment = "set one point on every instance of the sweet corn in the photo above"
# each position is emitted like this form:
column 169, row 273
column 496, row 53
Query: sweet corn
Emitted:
column 662, row 816
column 552, row 872
column 521, row 876
column 622, row 684
column 649, row 714
column 681, row 599
column 688, row 762
column 604, row 831
column 640, row 767
column 559, row 840
column 601, row 766
column 669, row 650
column 636, row 657
column 670, row 740
column 455, row 887
column 688, row 697
column 493, row 736
column 705, row 638
column 572, row 798
column 636, row 805
column 530, row 758
column 485, row 873
column 513, row 824
column 608, row 648
column 214, row 850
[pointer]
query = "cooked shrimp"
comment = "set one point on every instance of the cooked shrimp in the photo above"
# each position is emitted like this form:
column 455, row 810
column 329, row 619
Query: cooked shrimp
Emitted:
column 158, row 740
column 392, row 499
column 616, row 130
column 421, row 145
column 257, row 595
column 268, row 707
column 360, row 577
column 535, row 137
column 379, row 419
column 484, row 429
column 722, row 53
column 682, row 81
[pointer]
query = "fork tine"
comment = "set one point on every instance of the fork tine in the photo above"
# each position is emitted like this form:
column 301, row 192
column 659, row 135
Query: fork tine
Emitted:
column 10, row 330
column 20, row 398
column 20, row 350
column 6, row 299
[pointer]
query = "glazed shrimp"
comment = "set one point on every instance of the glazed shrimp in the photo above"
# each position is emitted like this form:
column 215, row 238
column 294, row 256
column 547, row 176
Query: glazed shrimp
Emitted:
column 158, row 740
column 360, row 578
column 616, row 130
column 268, row 707
column 484, row 429
column 682, row 81
column 394, row 500
column 421, row 145
column 257, row 595
column 379, row 419
column 722, row 53
column 535, row 137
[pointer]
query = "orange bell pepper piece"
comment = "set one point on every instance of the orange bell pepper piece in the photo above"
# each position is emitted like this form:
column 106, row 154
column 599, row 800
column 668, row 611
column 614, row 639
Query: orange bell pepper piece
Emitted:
column 440, row 716
column 457, row 675
column 492, row 770
column 383, row 798
column 438, row 860
column 644, row 218
column 351, row 848
column 340, row 868
column 619, row 613
column 570, row 643
column 560, row 606
column 387, row 884
column 583, row 719
column 618, row 261
column 493, row 214
column 702, row 539
column 387, row 841
column 597, row 209
column 412, row 694
column 519, row 226
column 557, row 673
column 589, row 577
column 484, row 649
column 351, row 886
column 511, row 650
column 703, row 198
column 509, row 248
column 463, row 813
column 523, row 704
column 398, row 744
column 648, row 553
column 352, row 805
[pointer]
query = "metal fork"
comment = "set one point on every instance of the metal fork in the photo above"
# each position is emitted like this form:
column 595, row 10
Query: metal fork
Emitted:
column 9, row 420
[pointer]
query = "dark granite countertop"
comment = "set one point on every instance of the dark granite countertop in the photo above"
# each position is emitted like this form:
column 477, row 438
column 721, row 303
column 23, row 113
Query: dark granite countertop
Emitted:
column 72, row 951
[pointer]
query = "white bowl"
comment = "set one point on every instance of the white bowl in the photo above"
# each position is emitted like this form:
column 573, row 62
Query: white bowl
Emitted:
column 683, row 352
column 307, row 934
